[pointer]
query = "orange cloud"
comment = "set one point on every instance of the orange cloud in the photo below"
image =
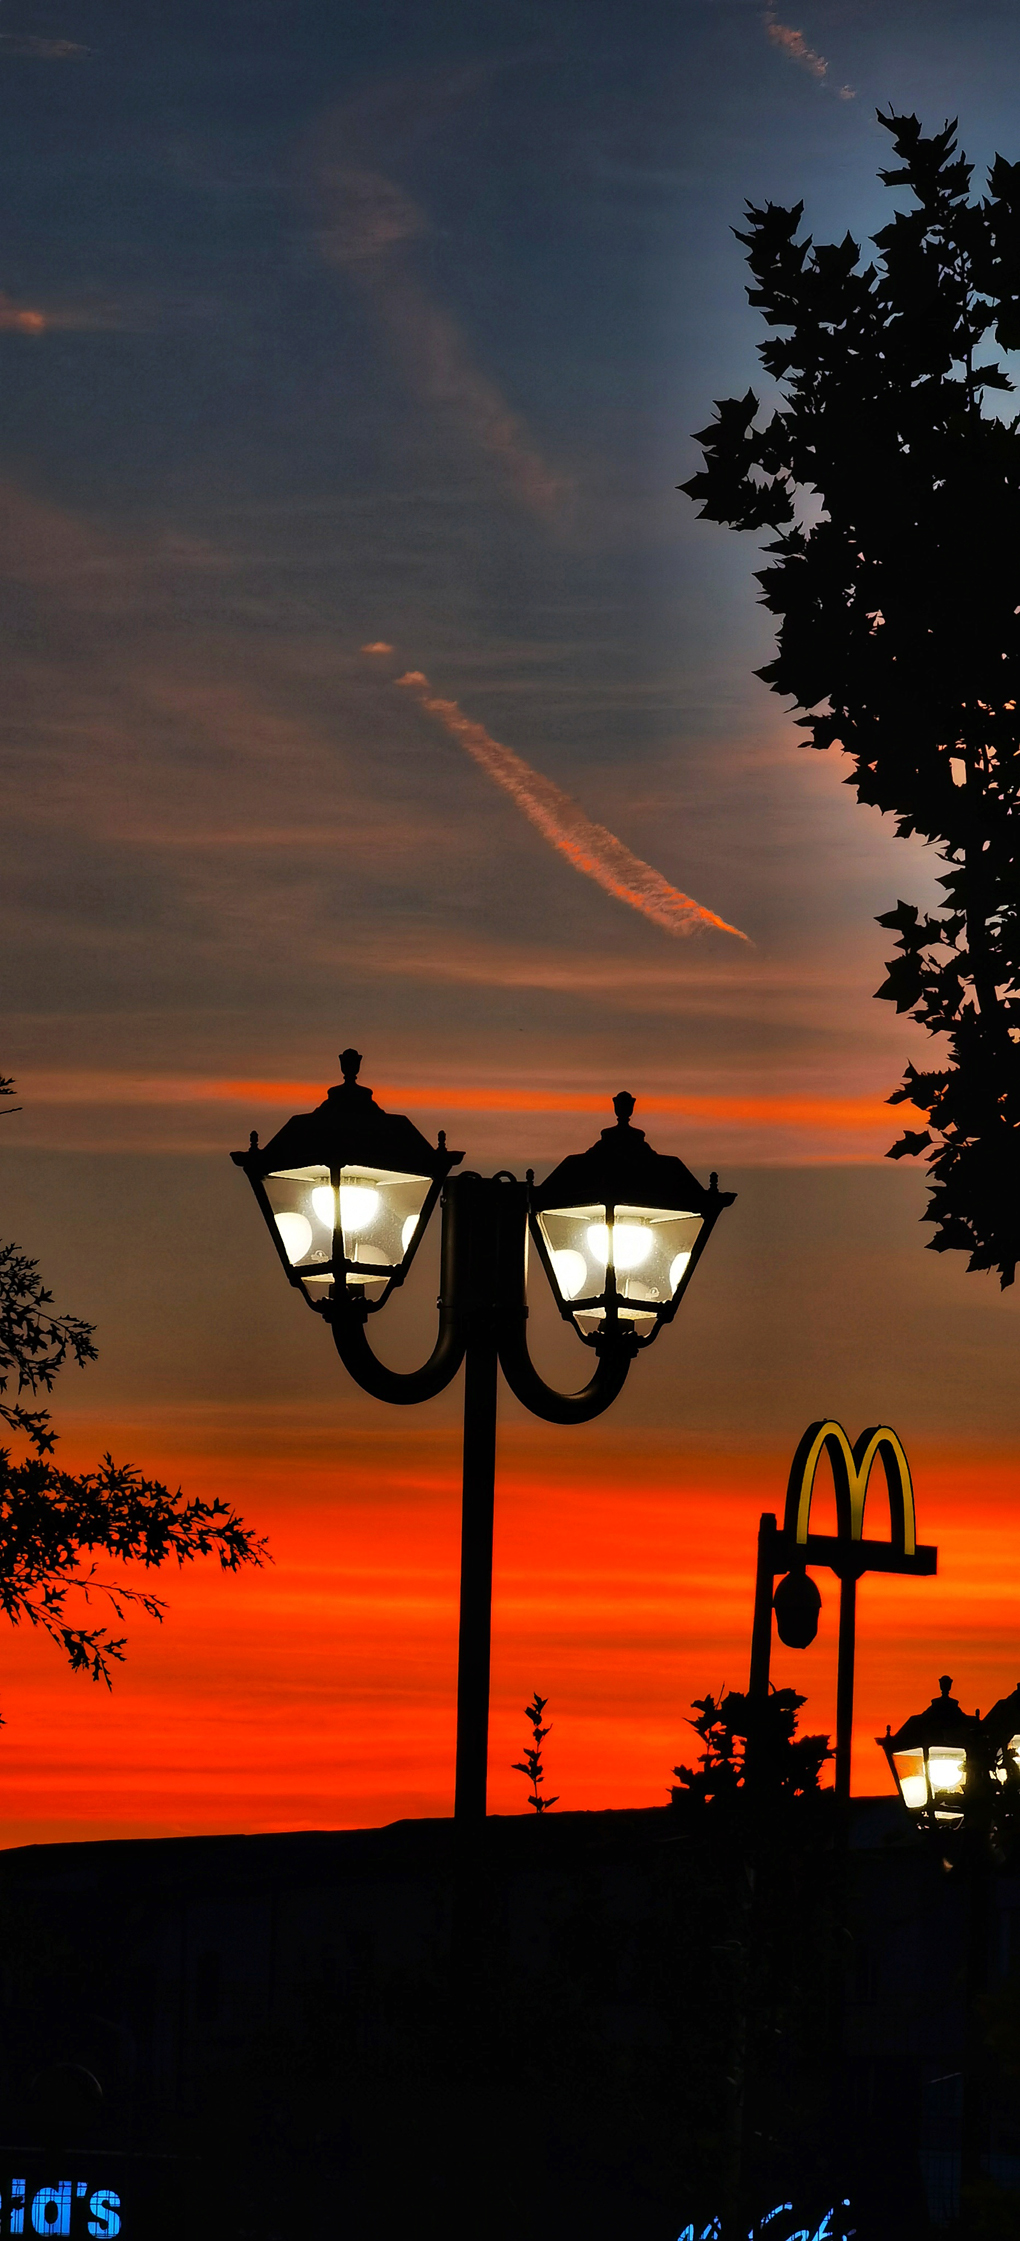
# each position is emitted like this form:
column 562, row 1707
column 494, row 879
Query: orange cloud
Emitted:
column 794, row 44
column 17, row 319
column 589, row 847
column 184, row 1089
column 82, row 318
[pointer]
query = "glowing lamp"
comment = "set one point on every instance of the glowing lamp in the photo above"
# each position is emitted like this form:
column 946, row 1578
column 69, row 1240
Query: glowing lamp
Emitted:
column 937, row 1758
column 620, row 1230
column 346, row 1193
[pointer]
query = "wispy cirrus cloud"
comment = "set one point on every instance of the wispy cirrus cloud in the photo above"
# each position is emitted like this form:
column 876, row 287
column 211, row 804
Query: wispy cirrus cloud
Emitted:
column 39, row 319
column 20, row 319
column 370, row 219
column 589, row 847
column 367, row 227
column 46, row 50
column 793, row 44
column 96, row 315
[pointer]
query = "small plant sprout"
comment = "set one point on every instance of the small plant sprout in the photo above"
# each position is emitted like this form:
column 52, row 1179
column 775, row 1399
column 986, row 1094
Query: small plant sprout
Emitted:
column 531, row 1763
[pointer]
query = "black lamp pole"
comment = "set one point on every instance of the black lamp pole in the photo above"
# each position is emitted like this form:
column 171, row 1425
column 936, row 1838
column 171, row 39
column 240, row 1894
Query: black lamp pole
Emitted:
column 481, row 1369
column 482, row 1324
column 483, row 1295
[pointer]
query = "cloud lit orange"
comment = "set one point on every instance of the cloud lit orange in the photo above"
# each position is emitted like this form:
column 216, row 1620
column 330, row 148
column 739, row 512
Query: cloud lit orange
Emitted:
column 19, row 319
column 176, row 1089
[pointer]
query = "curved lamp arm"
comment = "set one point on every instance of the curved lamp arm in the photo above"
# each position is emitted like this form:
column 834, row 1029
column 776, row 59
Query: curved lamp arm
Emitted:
column 525, row 1381
column 530, row 1388
column 346, row 1319
column 482, row 1287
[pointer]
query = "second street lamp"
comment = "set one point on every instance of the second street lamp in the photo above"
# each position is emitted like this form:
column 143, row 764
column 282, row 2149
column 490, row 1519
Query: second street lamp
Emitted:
column 347, row 1192
column 958, row 1777
column 955, row 1770
column 937, row 1758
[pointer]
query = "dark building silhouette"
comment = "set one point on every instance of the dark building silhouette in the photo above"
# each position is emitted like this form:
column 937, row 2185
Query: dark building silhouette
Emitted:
column 589, row 2023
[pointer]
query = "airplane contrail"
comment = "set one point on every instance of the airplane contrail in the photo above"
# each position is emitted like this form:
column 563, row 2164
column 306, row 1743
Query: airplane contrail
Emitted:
column 589, row 847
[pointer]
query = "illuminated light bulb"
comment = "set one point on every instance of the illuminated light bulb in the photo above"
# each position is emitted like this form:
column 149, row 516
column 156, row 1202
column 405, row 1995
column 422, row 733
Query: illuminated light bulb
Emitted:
column 632, row 1243
column 359, row 1205
column 408, row 1231
column 296, row 1232
column 677, row 1269
column 369, row 1259
column 324, row 1204
column 571, row 1271
column 946, row 1768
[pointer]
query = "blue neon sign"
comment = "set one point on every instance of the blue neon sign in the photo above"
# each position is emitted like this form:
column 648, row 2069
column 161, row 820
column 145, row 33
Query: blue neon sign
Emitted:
column 772, row 2226
column 64, row 2207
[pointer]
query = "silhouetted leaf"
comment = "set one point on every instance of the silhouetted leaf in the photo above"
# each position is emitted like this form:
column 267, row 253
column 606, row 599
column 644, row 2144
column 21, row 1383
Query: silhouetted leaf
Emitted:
column 909, row 1144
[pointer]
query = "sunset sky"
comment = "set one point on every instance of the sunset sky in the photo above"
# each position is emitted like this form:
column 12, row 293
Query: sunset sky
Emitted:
column 385, row 326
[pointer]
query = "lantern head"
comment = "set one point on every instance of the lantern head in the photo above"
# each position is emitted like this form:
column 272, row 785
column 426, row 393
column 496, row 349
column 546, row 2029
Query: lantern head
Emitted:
column 346, row 1192
column 620, row 1230
column 935, row 1758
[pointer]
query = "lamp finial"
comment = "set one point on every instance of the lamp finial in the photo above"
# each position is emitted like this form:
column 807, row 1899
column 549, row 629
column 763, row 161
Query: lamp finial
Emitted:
column 945, row 1683
column 623, row 1106
column 350, row 1063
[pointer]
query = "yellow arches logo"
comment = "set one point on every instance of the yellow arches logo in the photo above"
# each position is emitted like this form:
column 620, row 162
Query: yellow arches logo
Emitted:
column 851, row 1470
column 794, row 1547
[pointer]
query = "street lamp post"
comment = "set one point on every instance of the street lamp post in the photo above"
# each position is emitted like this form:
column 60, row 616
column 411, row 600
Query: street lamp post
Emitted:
column 347, row 1192
column 958, row 1777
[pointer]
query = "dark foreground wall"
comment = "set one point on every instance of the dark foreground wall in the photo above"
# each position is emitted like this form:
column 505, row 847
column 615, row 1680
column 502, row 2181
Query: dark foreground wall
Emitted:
column 594, row 2024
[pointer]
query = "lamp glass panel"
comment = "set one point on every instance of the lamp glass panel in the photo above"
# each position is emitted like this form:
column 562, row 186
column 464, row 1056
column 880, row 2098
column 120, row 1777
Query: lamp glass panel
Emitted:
column 648, row 1247
column 909, row 1766
column 372, row 1217
column 947, row 1767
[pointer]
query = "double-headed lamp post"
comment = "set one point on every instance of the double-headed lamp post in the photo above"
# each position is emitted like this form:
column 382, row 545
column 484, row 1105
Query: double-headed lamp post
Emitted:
column 347, row 1192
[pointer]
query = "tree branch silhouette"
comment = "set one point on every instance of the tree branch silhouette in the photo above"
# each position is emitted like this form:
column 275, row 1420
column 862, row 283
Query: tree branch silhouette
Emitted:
column 53, row 1523
column 899, row 607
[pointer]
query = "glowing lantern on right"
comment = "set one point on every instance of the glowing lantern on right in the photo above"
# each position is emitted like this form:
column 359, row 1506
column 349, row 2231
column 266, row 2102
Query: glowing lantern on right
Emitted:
column 620, row 1230
column 936, row 1759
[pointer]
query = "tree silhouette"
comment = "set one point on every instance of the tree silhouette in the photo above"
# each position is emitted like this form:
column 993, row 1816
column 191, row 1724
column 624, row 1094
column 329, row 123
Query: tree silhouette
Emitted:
column 53, row 1522
column 899, row 606
column 750, row 1745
